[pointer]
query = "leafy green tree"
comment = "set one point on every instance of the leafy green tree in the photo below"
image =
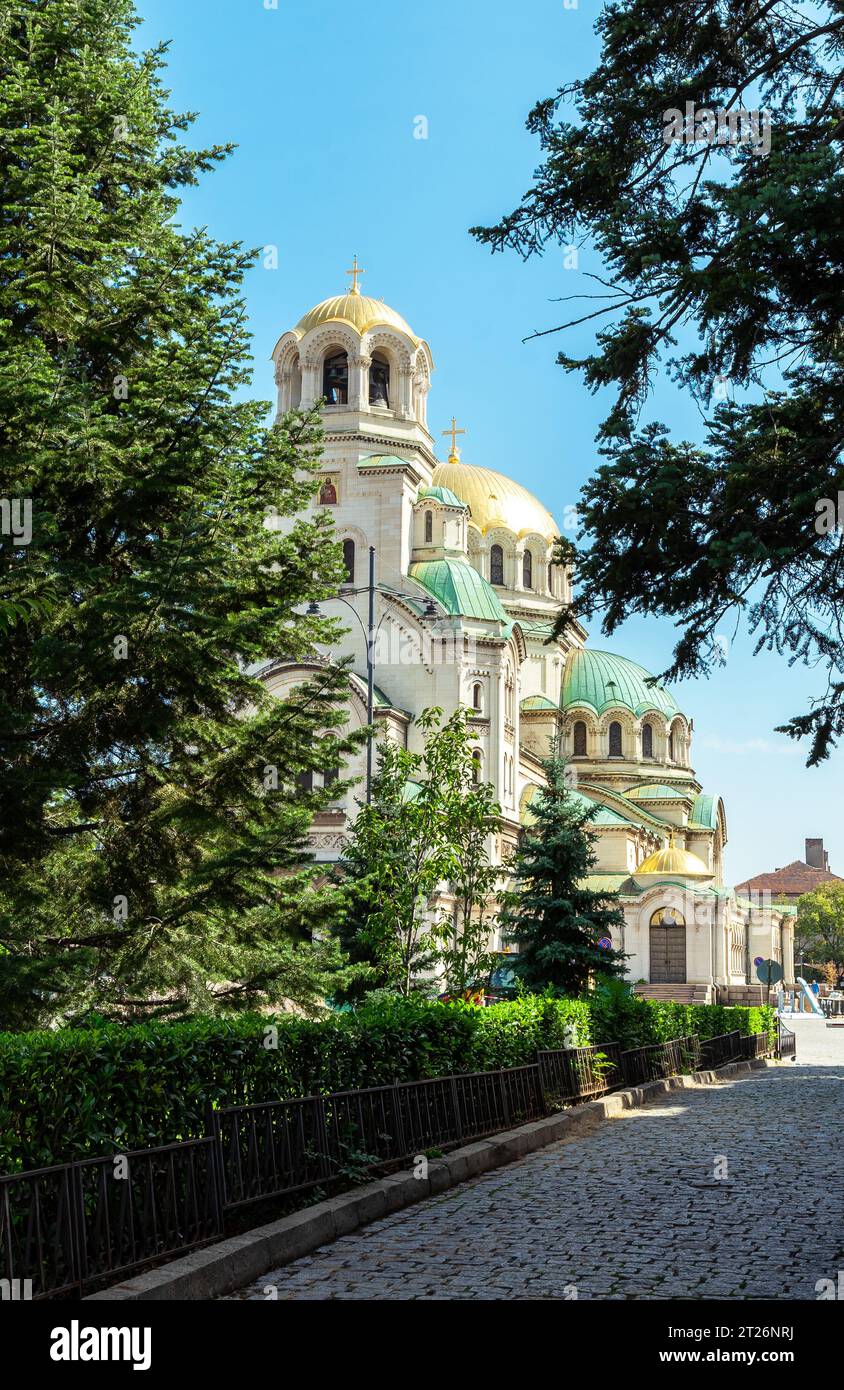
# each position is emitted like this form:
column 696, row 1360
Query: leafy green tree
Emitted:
column 819, row 926
column 426, row 829
column 152, row 823
column 554, row 918
column 723, row 267
column 471, row 816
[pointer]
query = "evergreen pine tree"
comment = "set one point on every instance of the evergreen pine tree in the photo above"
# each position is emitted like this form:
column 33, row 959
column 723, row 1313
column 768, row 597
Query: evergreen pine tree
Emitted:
column 152, row 823
column 549, row 913
column 701, row 161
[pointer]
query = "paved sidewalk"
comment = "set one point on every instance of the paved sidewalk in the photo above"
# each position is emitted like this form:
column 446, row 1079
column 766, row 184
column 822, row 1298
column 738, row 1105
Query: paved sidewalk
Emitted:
column 817, row 1045
column 691, row 1197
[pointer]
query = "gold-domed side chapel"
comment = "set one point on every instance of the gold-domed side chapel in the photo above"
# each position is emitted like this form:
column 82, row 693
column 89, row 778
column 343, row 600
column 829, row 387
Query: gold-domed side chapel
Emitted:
column 466, row 598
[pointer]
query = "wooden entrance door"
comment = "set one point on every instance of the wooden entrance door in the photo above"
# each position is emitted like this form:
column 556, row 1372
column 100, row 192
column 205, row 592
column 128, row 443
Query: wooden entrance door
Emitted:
column 668, row 955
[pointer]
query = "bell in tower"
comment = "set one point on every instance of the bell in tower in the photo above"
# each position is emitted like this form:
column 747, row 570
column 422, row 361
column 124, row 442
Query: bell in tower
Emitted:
column 379, row 382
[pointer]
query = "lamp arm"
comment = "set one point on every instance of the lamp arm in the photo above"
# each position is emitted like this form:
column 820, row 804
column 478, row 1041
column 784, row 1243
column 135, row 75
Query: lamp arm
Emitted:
column 386, row 593
column 352, row 609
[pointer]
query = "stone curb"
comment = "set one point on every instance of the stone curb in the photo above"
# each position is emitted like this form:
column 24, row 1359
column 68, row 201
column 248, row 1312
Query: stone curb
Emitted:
column 228, row 1265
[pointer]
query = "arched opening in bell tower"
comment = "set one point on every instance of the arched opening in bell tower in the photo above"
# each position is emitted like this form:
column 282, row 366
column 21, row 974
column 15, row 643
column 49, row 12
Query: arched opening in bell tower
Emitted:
column 379, row 381
column 335, row 379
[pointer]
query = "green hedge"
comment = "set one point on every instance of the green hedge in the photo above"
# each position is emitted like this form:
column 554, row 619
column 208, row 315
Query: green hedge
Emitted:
column 616, row 1014
column 74, row 1093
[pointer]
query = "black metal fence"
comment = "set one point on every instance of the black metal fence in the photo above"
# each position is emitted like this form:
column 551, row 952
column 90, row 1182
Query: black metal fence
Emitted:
column 67, row 1228
column 580, row 1073
column 652, row 1063
column 755, row 1045
column 282, row 1147
column 786, row 1042
column 717, row 1052
column 76, row 1226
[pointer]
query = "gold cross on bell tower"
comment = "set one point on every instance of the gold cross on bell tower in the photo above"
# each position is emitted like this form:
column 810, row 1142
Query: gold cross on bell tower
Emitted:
column 355, row 272
column 454, row 457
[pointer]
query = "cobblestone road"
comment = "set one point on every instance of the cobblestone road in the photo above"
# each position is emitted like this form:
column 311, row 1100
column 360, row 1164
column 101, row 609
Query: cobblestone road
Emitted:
column 634, row 1210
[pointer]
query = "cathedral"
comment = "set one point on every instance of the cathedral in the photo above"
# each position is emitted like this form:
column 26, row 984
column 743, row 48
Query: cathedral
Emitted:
column 455, row 561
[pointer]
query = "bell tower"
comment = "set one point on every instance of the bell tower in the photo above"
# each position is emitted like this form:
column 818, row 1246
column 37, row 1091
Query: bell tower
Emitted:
column 364, row 360
column 372, row 373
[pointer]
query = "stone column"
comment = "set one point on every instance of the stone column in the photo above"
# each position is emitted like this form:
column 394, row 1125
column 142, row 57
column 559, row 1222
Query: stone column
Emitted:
column 496, row 727
column 421, row 386
column 405, row 401
column 310, row 384
column 518, row 556
column 788, row 951
column 720, row 927
column 359, row 382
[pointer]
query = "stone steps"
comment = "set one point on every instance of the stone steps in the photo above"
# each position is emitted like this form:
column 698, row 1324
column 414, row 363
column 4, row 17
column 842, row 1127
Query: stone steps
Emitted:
column 677, row 994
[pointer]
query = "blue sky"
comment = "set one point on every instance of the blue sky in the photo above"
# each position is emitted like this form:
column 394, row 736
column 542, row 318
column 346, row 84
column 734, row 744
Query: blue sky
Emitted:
column 322, row 99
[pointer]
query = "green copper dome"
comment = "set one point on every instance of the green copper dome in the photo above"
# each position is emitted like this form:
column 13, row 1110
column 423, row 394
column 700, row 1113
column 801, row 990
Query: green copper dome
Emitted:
column 440, row 494
column 460, row 589
column 535, row 702
column 604, row 815
column 659, row 791
column 705, row 811
column 602, row 679
column 382, row 461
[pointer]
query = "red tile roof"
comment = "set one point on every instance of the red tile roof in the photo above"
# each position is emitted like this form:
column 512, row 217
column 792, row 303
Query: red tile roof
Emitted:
column 794, row 879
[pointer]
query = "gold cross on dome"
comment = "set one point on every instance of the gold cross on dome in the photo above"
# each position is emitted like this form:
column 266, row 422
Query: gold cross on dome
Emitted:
column 355, row 272
column 454, row 457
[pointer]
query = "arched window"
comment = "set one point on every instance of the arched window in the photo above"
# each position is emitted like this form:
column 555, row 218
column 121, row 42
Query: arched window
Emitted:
column 349, row 560
column 335, row 379
column 477, row 765
column 429, row 527
column 496, row 565
column 580, row 739
column 671, row 746
column 616, row 747
column 305, row 781
column 527, row 570
column 476, row 695
column 667, row 917
column 328, row 494
column 647, row 740
column 379, row 381
column 509, row 694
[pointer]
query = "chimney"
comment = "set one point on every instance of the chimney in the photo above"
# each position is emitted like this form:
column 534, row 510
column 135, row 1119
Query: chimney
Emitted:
column 816, row 855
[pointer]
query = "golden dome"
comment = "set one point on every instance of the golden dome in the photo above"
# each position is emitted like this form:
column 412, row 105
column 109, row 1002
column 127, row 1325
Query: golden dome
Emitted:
column 496, row 500
column 357, row 310
column 675, row 862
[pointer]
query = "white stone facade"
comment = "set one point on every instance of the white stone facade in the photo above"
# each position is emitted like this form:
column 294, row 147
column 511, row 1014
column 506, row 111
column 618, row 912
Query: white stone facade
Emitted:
column 464, row 554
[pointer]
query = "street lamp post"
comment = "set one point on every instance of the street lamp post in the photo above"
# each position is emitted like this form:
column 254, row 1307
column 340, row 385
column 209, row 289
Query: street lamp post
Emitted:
column 370, row 633
column 370, row 673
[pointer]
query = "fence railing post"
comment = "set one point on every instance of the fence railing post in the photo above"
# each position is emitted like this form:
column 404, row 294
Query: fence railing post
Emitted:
column 455, row 1108
column 542, row 1083
column 321, row 1135
column 505, row 1099
column 398, row 1119
column 78, row 1262
column 539, row 1092
column 218, row 1167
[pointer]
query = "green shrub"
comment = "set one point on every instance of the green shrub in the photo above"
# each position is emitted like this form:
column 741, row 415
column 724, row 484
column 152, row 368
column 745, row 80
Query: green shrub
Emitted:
column 78, row 1092
column 619, row 1015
